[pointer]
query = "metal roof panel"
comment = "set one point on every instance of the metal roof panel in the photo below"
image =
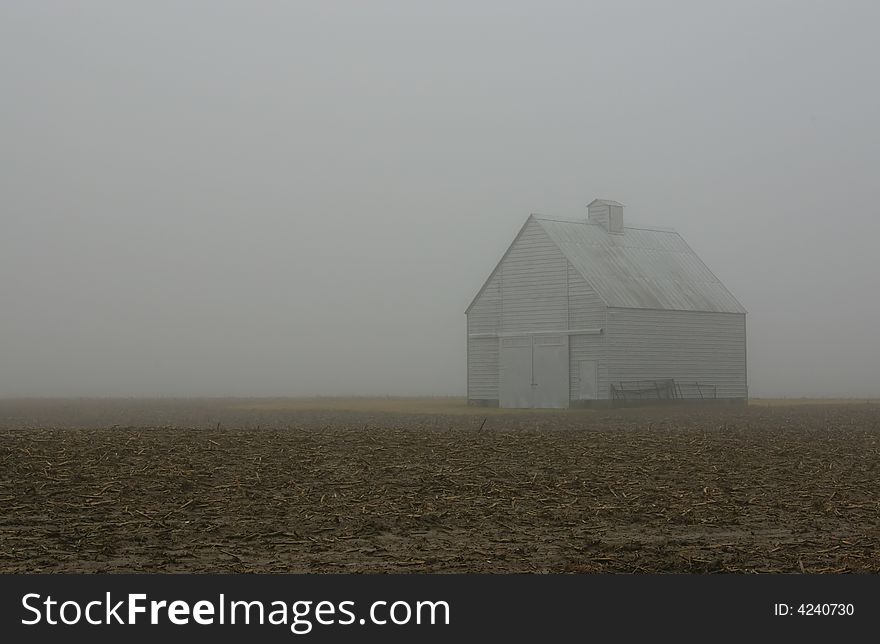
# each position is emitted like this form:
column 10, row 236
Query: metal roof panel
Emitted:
column 641, row 268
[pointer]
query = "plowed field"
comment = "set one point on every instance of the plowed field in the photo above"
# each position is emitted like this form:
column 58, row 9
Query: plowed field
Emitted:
column 418, row 486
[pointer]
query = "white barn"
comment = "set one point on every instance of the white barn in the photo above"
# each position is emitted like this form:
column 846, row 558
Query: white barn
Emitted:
column 583, row 311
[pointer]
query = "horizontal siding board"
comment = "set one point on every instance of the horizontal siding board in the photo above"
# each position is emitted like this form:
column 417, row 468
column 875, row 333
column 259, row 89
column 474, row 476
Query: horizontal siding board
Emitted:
column 533, row 284
column 484, row 315
column 483, row 368
column 688, row 346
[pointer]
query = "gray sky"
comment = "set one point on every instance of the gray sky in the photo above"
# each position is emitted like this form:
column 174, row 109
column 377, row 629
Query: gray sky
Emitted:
column 296, row 198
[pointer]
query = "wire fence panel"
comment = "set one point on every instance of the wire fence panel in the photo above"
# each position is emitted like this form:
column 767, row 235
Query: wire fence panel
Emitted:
column 661, row 389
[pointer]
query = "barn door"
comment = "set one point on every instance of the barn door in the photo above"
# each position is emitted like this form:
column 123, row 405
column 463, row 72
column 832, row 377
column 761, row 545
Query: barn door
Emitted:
column 550, row 357
column 589, row 378
column 534, row 371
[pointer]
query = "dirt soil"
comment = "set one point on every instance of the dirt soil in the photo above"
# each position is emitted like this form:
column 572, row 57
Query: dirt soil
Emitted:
column 330, row 486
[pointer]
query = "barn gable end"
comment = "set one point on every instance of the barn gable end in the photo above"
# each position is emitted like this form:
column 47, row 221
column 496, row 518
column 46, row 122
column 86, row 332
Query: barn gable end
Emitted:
column 534, row 291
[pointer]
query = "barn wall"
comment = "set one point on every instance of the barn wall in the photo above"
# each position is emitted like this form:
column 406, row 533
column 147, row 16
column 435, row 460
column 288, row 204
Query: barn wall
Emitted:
column 527, row 292
column 586, row 311
column 534, row 284
column 484, row 317
column 685, row 345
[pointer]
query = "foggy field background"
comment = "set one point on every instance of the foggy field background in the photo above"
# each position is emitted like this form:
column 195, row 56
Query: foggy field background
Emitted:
column 367, row 413
column 294, row 199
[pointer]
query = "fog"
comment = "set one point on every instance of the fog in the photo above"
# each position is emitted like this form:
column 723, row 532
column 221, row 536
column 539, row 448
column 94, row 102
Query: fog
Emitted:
column 301, row 198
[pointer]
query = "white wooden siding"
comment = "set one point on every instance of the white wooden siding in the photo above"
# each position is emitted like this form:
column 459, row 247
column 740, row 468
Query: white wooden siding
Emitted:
column 528, row 292
column 483, row 368
column 586, row 310
column 534, row 284
column 688, row 346
column 485, row 315
column 482, row 353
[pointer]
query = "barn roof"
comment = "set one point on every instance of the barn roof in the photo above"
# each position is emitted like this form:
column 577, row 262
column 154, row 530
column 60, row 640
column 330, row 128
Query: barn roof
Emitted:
column 642, row 268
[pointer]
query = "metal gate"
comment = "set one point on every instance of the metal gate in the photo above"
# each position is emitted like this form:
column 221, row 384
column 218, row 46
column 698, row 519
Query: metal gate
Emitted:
column 534, row 371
